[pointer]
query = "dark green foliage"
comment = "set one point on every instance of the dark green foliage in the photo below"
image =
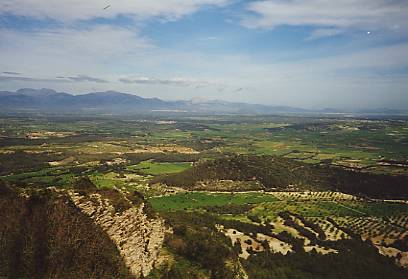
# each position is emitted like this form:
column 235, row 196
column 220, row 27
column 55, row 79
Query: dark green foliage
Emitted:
column 117, row 199
column 247, row 228
column 21, row 161
column 355, row 260
column 136, row 198
column 280, row 173
column 401, row 244
column 6, row 189
column 229, row 209
column 45, row 236
column 254, row 218
column 311, row 225
column 196, row 239
column 203, row 247
column 170, row 157
column 297, row 243
column 84, row 185
column 203, row 144
column 288, row 221
column 344, row 229
column 181, row 269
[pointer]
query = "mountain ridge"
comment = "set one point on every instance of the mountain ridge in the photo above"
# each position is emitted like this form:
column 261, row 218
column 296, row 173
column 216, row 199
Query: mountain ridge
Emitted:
column 117, row 102
column 49, row 100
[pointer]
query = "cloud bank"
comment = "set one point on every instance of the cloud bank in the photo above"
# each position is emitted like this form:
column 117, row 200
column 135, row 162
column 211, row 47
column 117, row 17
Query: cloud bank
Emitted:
column 331, row 17
column 80, row 46
column 72, row 10
column 172, row 81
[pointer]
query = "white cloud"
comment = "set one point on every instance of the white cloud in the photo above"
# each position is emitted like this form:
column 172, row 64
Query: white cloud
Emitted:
column 179, row 81
column 83, row 78
column 113, row 54
column 324, row 32
column 71, row 10
column 11, row 73
column 69, row 51
column 335, row 15
column 7, row 76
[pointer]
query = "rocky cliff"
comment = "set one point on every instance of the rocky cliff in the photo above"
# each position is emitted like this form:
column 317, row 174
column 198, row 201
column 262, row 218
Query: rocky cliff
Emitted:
column 64, row 234
column 137, row 237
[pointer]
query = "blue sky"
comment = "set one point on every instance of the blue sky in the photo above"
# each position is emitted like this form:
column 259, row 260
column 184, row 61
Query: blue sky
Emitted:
column 304, row 53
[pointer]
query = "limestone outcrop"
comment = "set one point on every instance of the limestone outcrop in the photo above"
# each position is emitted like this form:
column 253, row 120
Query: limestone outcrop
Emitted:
column 62, row 234
column 137, row 237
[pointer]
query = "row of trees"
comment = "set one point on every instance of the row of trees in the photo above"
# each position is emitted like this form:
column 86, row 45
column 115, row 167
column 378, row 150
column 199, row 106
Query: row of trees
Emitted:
column 355, row 260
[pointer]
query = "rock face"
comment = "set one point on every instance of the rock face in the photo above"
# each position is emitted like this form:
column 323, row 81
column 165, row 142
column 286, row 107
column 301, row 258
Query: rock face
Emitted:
column 137, row 237
column 59, row 234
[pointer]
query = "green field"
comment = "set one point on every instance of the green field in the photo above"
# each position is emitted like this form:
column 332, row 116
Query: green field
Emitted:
column 106, row 180
column 193, row 200
column 153, row 168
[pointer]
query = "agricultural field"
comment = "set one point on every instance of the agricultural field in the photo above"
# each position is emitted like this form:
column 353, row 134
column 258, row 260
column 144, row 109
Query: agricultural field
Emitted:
column 239, row 194
column 153, row 168
column 196, row 200
column 317, row 218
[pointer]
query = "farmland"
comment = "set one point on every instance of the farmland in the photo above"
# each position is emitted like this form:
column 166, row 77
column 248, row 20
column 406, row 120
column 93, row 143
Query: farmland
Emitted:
column 194, row 200
column 240, row 195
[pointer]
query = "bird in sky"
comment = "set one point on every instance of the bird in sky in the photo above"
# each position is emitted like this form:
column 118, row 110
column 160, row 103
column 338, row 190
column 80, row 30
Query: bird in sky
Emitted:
column 107, row 7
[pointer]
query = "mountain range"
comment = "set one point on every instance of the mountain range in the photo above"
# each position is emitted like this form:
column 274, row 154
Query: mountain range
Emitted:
column 48, row 100
column 51, row 101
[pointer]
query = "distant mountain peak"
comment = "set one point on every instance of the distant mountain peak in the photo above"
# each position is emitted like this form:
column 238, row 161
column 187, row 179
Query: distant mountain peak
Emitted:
column 108, row 92
column 198, row 100
column 49, row 100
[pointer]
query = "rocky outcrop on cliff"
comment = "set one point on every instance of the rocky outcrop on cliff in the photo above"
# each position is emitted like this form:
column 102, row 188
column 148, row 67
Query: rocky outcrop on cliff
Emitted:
column 63, row 234
column 137, row 237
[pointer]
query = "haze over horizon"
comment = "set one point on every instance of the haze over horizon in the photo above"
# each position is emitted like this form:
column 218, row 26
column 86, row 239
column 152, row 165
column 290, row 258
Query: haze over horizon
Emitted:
column 302, row 53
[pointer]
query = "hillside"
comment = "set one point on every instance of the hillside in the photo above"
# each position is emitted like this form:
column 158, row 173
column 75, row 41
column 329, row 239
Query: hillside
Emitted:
column 58, row 234
column 281, row 174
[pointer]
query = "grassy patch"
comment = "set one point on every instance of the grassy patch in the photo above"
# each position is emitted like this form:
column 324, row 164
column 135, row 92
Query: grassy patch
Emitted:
column 304, row 208
column 106, row 180
column 192, row 200
column 380, row 209
column 153, row 168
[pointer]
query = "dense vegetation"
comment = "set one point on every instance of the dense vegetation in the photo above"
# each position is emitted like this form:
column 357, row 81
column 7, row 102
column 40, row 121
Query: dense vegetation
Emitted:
column 45, row 236
column 136, row 158
column 196, row 239
column 277, row 173
column 21, row 161
column 355, row 260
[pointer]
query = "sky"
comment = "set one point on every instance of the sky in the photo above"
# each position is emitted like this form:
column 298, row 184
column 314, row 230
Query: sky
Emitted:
column 346, row 54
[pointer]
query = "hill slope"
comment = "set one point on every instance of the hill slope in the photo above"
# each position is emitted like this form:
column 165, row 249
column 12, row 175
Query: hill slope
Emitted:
column 55, row 234
column 276, row 173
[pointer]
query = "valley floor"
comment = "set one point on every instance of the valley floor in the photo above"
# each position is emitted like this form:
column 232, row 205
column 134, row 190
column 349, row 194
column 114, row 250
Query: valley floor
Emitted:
column 228, row 196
